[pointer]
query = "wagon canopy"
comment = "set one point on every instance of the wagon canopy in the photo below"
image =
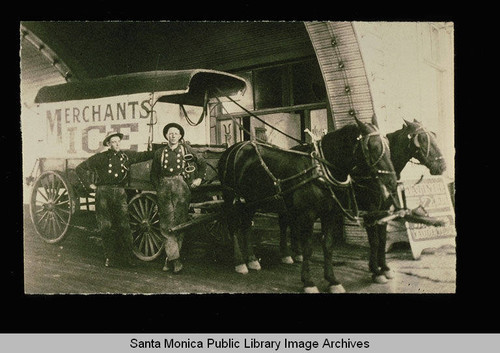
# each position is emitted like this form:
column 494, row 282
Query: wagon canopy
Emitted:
column 174, row 86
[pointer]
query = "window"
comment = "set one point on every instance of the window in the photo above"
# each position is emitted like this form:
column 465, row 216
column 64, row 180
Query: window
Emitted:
column 308, row 85
column 289, row 97
column 268, row 87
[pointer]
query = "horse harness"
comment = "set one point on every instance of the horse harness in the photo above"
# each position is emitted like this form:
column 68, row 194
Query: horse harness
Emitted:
column 319, row 171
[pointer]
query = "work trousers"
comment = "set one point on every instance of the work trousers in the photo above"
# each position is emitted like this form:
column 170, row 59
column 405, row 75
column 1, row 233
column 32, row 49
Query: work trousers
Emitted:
column 113, row 221
column 174, row 197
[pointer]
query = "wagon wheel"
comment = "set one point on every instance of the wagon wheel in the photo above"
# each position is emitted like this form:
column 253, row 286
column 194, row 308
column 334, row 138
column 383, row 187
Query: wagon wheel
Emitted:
column 52, row 205
column 145, row 226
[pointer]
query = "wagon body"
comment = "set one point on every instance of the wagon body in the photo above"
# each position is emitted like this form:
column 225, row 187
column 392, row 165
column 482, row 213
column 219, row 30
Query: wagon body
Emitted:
column 58, row 193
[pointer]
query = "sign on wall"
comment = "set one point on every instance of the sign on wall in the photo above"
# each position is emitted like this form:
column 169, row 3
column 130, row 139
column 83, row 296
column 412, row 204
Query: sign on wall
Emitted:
column 433, row 194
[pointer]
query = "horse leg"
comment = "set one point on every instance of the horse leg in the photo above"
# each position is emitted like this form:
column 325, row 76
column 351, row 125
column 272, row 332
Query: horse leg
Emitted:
column 373, row 239
column 233, row 218
column 248, row 247
column 296, row 244
column 381, row 258
column 306, row 233
column 284, row 249
column 337, row 224
column 327, row 225
column 239, row 262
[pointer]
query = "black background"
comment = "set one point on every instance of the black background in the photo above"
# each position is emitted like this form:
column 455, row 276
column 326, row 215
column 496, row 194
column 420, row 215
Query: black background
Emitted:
column 470, row 310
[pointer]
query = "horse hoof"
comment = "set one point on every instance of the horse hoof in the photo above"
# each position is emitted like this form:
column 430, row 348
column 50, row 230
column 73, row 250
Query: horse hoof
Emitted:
column 287, row 260
column 389, row 274
column 380, row 279
column 254, row 265
column 337, row 288
column 299, row 258
column 243, row 269
column 311, row 289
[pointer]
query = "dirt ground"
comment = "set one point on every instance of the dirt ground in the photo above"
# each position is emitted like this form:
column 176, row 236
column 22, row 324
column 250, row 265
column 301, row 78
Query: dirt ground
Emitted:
column 76, row 266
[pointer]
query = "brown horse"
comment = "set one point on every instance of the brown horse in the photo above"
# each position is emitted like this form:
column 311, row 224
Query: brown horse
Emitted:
column 413, row 140
column 301, row 185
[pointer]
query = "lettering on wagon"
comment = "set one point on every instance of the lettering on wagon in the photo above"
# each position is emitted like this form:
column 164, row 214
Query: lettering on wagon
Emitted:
column 77, row 127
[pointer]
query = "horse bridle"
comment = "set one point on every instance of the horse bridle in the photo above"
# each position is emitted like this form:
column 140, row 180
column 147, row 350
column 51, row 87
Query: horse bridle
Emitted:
column 363, row 142
column 421, row 130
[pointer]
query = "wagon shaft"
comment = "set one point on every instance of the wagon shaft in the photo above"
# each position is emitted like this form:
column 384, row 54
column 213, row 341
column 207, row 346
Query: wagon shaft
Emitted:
column 416, row 215
column 207, row 204
column 199, row 219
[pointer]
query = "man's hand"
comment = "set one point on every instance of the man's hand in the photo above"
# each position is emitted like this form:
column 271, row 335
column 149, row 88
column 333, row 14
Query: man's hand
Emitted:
column 196, row 182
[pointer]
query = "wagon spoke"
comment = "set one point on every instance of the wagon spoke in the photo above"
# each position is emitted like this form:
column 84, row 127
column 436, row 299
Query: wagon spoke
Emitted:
column 136, row 238
column 152, row 212
column 141, row 206
column 39, row 210
column 57, row 223
column 50, row 186
column 43, row 223
column 43, row 184
column 55, row 187
column 58, row 211
column 156, row 238
column 43, row 216
column 133, row 224
column 62, row 203
column 52, row 223
column 141, row 243
column 136, row 217
column 39, row 192
column 144, row 244
column 155, row 221
column 60, row 195
column 136, row 211
column 151, row 244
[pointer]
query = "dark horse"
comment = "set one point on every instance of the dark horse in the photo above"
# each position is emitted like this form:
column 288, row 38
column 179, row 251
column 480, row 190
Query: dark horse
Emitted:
column 304, row 186
column 412, row 141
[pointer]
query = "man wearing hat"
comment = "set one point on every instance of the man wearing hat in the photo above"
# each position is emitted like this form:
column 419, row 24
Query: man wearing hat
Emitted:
column 110, row 169
column 174, row 171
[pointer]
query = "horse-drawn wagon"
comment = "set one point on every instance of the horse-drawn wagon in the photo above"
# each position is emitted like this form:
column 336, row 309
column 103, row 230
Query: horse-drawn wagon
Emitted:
column 78, row 114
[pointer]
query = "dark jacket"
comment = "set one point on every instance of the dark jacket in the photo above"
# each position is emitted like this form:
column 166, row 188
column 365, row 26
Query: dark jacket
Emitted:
column 167, row 162
column 110, row 167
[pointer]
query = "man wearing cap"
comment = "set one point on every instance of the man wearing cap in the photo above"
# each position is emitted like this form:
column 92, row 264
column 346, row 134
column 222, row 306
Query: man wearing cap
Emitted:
column 174, row 171
column 111, row 170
